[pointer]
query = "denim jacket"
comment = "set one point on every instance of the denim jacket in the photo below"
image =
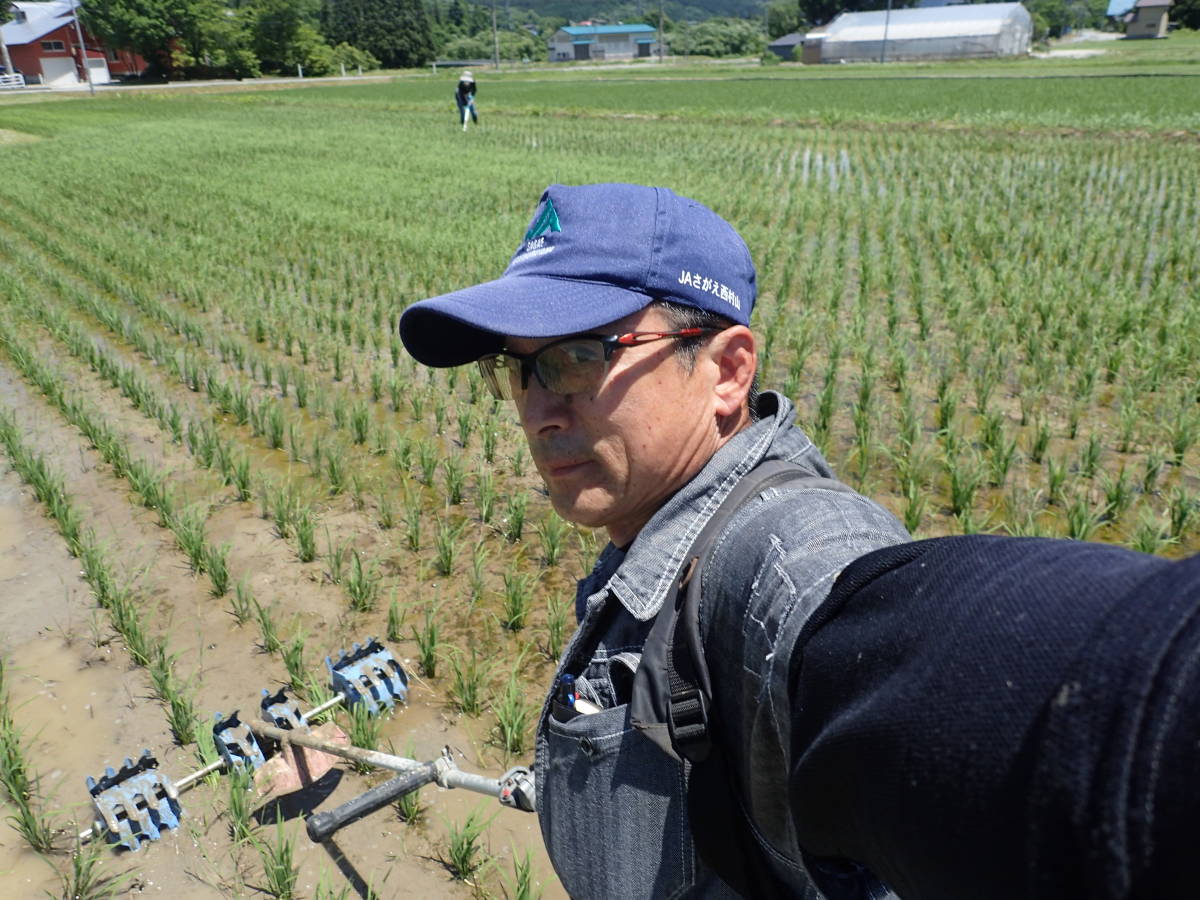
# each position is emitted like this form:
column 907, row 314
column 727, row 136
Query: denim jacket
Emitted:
column 611, row 805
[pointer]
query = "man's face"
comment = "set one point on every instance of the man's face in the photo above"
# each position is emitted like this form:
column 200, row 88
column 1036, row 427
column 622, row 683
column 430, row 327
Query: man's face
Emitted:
column 612, row 458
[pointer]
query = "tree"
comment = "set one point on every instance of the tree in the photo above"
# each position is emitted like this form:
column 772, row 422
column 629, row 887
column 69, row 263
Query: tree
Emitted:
column 821, row 12
column 174, row 35
column 396, row 32
column 1186, row 13
column 783, row 17
column 719, row 37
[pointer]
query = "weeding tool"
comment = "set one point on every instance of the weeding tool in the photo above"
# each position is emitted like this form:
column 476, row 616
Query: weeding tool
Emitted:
column 515, row 788
column 138, row 801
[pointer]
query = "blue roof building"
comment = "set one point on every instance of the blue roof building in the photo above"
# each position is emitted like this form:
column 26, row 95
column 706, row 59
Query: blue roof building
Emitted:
column 603, row 42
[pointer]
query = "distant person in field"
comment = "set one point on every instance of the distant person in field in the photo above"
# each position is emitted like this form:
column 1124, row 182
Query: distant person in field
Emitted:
column 962, row 718
column 464, row 97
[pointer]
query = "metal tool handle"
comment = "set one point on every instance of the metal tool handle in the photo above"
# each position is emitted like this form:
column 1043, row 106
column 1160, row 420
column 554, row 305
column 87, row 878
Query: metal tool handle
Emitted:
column 321, row 825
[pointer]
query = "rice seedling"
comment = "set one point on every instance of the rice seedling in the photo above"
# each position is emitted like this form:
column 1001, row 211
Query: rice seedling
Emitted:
column 514, row 517
column 38, row 830
column 412, row 518
column 489, row 438
column 1118, row 495
column 335, row 471
column 466, row 425
column 1152, row 467
column 268, row 633
column 519, row 459
column 1182, row 512
column 80, row 878
column 468, row 676
column 517, row 597
column 401, row 454
column 304, row 522
column 552, row 531
column 188, row 527
column 465, row 854
column 127, row 622
column 358, row 490
column 302, row 388
column 363, row 728
column 1183, row 429
column 514, row 715
column 522, row 885
column 428, row 638
column 1089, row 458
column 335, row 554
column 279, row 869
column 485, row 495
column 385, row 515
column 1150, row 535
column 1081, row 518
column 915, row 502
column 293, row 660
column 1039, row 443
column 360, row 423
column 427, row 462
column 362, row 584
column 558, row 608
column 216, row 563
column 965, row 478
column 409, row 807
column 455, row 479
column 445, row 545
column 477, row 574
column 1056, row 479
column 395, row 621
column 241, row 605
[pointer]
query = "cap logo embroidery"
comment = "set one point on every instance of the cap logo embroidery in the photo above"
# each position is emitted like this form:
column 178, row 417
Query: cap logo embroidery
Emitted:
column 547, row 221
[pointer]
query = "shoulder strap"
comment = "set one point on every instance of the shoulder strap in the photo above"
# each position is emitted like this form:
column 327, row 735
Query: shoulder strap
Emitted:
column 672, row 691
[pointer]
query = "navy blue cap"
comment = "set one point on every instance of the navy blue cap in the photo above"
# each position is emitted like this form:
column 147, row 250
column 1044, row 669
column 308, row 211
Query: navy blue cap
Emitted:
column 592, row 254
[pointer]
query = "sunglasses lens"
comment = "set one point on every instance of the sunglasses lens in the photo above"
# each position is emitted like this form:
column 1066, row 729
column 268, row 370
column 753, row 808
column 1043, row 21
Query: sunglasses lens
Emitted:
column 572, row 367
column 501, row 375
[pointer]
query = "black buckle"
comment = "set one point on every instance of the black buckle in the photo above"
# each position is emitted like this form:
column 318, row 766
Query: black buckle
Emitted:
column 687, row 719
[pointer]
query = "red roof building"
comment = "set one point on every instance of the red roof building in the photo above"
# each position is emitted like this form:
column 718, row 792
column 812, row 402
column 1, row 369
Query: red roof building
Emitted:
column 44, row 47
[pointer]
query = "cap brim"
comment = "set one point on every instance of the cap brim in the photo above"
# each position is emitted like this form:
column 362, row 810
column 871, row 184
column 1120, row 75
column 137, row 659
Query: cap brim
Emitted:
column 462, row 326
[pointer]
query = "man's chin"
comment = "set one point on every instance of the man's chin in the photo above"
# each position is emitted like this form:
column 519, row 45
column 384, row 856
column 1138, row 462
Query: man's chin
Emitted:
column 576, row 509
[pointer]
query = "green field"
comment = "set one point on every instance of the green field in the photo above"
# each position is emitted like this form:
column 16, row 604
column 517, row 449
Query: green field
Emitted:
column 979, row 283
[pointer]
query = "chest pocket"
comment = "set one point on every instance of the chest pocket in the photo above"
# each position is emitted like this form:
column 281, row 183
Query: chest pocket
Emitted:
column 613, row 809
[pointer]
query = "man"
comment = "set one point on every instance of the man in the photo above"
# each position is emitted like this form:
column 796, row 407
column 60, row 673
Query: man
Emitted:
column 464, row 98
column 620, row 332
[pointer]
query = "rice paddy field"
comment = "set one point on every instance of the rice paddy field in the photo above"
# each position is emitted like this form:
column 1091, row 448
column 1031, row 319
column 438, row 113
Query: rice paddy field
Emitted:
column 978, row 283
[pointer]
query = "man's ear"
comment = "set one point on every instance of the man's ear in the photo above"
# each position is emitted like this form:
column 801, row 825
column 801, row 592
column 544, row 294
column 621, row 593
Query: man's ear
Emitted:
column 736, row 360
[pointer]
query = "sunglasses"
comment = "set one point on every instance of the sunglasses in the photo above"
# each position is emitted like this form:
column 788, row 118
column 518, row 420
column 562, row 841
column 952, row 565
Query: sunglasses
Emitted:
column 573, row 365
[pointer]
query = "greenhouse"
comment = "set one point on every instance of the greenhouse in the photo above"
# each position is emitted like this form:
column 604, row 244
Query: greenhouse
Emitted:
column 977, row 31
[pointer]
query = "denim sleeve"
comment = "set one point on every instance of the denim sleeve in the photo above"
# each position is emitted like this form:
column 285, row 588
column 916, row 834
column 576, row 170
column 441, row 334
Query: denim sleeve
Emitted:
column 771, row 568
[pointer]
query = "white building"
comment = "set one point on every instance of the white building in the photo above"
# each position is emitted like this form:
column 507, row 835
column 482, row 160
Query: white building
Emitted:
column 976, row 31
column 600, row 42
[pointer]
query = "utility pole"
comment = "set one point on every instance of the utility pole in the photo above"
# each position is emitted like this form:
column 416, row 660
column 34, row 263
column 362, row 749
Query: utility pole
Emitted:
column 886, row 21
column 495, row 38
column 660, row 31
column 87, row 71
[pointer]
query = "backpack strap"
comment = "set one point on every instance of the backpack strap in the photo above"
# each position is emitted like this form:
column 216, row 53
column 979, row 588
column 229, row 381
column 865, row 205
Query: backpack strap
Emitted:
column 672, row 691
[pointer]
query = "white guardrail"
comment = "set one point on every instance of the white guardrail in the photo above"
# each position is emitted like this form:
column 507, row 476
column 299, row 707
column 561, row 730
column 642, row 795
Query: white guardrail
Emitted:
column 12, row 81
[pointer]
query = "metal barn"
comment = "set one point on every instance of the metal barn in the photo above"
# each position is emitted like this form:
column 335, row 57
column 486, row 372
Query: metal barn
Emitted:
column 977, row 31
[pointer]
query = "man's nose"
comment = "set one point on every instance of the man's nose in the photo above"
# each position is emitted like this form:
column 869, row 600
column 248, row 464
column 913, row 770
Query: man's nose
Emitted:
column 542, row 411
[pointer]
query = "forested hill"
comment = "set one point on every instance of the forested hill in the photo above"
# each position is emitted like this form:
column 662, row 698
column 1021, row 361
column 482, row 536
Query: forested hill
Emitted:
column 614, row 11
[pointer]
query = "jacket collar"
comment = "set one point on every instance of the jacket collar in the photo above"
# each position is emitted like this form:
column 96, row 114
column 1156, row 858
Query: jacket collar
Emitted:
column 647, row 574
